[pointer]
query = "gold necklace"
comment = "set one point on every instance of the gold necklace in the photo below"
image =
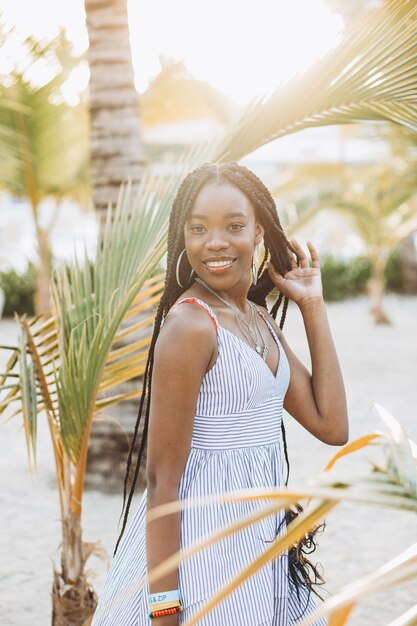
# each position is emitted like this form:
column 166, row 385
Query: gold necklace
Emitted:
column 265, row 348
column 261, row 350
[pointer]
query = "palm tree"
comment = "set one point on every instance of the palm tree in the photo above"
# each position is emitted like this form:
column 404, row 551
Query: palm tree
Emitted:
column 70, row 366
column 175, row 95
column 383, row 212
column 116, row 146
column 379, row 199
column 43, row 152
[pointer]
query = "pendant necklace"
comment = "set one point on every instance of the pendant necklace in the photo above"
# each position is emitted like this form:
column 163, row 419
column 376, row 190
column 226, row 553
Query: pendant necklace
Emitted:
column 262, row 350
column 265, row 349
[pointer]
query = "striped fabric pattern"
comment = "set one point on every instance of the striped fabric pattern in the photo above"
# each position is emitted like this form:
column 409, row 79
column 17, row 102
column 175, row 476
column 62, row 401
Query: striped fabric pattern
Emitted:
column 236, row 444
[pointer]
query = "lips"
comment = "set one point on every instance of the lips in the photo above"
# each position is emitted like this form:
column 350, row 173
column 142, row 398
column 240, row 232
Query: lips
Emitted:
column 219, row 262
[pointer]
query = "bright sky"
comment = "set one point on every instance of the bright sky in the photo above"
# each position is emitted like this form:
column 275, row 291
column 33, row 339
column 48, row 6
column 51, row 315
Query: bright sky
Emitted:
column 243, row 48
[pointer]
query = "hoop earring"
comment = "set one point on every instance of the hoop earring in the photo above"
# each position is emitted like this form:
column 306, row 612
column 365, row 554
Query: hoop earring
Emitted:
column 177, row 270
column 255, row 264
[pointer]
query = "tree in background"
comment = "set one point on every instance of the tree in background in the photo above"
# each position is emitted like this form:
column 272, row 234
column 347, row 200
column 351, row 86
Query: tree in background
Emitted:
column 379, row 199
column 116, row 145
column 116, row 156
column 384, row 210
column 43, row 154
column 174, row 95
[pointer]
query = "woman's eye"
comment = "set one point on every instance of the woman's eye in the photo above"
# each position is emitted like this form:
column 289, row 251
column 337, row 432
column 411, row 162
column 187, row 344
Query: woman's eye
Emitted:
column 199, row 228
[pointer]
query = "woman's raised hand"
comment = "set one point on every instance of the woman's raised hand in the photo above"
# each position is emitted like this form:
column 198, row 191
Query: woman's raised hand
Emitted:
column 300, row 284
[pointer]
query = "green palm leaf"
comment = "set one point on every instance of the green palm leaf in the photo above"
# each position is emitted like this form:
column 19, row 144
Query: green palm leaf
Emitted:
column 76, row 354
column 381, row 211
column 44, row 151
column 28, row 397
column 122, row 364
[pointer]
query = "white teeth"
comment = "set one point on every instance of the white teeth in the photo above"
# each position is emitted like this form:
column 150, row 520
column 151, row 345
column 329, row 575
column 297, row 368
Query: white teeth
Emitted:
column 218, row 263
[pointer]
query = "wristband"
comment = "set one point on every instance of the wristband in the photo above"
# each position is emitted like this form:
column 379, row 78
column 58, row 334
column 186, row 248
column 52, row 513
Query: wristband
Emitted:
column 164, row 596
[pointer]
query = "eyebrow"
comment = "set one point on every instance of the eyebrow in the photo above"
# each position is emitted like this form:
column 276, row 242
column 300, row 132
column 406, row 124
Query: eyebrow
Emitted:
column 227, row 216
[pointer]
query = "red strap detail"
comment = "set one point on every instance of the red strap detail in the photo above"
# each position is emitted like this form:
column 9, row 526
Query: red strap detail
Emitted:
column 194, row 301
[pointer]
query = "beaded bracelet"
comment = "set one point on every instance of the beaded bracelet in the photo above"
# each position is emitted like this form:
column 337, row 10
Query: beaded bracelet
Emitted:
column 163, row 612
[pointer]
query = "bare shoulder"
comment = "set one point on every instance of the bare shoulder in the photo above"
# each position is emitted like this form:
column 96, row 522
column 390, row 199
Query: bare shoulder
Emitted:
column 187, row 333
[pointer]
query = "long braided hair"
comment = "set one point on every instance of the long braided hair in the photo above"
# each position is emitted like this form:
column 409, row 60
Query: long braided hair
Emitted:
column 276, row 247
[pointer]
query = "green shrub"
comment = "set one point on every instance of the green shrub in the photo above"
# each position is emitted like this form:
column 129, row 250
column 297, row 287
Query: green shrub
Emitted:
column 393, row 277
column 344, row 279
column 359, row 270
column 19, row 291
column 335, row 278
column 341, row 279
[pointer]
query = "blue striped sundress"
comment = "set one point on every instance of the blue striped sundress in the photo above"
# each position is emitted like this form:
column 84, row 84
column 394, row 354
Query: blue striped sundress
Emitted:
column 236, row 444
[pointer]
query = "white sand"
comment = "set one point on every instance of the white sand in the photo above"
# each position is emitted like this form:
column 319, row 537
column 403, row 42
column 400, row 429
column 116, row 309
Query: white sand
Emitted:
column 379, row 365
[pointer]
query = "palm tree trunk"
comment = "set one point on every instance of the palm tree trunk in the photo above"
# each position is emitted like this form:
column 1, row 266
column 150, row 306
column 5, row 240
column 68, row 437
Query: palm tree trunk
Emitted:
column 42, row 295
column 116, row 147
column 116, row 157
column 73, row 599
column 43, row 276
column 376, row 288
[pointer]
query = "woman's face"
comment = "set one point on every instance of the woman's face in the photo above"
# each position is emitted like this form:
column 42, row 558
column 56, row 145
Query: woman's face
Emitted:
column 220, row 236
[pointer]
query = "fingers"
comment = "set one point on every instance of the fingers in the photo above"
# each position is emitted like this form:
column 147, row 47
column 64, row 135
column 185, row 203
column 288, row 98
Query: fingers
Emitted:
column 300, row 253
column 315, row 261
column 273, row 272
column 302, row 257
column 292, row 257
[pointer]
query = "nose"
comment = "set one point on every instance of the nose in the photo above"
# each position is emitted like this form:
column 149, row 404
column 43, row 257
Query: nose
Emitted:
column 216, row 242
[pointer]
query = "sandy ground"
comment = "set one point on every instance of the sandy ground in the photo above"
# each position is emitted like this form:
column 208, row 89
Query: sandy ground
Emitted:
column 379, row 365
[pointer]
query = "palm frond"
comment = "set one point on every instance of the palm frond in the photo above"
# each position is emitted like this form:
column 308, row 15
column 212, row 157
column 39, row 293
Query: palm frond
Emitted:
column 42, row 350
column 28, row 396
column 403, row 463
column 353, row 446
column 43, row 148
column 370, row 75
column 294, row 533
column 394, row 486
column 92, row 301
column 381, row 210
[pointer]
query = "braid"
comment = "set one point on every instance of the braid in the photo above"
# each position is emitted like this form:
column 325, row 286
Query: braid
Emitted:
column 277, row 248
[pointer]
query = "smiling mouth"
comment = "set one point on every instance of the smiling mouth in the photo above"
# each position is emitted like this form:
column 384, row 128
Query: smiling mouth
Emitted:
column 221, row 264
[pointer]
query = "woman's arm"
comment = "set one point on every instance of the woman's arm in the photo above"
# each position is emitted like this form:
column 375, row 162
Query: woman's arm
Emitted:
column 182, row 353
column 317, row 400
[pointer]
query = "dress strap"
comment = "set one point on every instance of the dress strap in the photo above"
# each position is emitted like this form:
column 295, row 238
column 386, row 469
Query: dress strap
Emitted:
column 204, row 305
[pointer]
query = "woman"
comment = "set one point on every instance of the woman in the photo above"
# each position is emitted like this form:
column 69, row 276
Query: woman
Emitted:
column 218, row 375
